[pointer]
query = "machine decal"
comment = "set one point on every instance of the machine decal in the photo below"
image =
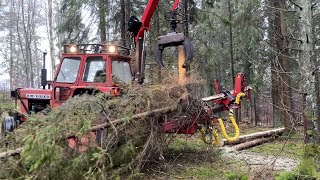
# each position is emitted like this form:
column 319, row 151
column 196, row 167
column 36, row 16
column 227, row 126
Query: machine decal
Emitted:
column 38, row 96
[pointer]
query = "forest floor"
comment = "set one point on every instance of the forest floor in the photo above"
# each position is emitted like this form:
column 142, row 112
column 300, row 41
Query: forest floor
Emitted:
column 190, row 158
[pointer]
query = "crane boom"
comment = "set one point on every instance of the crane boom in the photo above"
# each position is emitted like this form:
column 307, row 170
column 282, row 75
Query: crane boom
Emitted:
column 139, row 28
column 147, row 15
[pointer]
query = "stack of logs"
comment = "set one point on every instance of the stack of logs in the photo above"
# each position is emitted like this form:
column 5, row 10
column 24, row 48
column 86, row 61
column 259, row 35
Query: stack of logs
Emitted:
column 250, row 140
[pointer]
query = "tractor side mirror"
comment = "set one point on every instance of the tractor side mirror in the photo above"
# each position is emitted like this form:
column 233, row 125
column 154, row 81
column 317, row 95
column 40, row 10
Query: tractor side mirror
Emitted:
column 13, row 94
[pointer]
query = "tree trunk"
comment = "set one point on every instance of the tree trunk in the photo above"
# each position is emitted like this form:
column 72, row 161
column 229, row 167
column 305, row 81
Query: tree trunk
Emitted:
column 186, row 13
column 157, row 24
column 249, row 137
column 256, row 116
column 285, row 91
column 316, row 81
column 128, row 10
column 231, row 41
column 107, row 3
column 237, row 113
column 123, row 23
column 305, row 120
column 305, row 57
column 274, row 66
column 249, row 144
column 102, row 21
column 51, row 44
column 11, row 59
column 23, row 52
column 27, row 36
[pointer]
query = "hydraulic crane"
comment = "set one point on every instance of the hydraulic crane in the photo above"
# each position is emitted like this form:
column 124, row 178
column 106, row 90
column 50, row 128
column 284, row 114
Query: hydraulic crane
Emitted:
column 140, row 28
column 223, row 101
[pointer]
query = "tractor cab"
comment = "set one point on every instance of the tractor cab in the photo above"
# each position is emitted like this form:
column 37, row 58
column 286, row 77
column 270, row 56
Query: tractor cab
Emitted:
column 91, row 68
column 84, row 68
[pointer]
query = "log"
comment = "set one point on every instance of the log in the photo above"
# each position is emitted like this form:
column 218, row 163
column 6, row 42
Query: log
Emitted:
column 250, row 144
column 164, row 110
column 136, row 116
column 249, row 137
column 10, row 153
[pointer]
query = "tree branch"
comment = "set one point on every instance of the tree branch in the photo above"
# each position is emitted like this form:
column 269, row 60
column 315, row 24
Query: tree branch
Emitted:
column 10, row 153
column 314, row 4
column 295, row 39
column 294, row 3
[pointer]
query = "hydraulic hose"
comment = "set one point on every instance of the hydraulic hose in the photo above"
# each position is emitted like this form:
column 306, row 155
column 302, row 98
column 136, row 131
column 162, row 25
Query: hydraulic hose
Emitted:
column 233, row 121
column 235, row 125
column 238, row 98
column 213, row 136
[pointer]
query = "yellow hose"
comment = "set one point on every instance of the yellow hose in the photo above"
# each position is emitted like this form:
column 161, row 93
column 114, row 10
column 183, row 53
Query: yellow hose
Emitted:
column 233, row 121
column 235, row 125
column 215, row 137
column 238, row 98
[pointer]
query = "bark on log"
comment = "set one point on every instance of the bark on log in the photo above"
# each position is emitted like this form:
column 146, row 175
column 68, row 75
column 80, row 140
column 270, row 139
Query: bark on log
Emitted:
column 136, row 116
column 249, row 137
column 10, row 153
column 250, row 144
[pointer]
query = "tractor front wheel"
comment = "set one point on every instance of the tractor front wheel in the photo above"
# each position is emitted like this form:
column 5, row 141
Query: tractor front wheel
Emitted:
column 8, row 125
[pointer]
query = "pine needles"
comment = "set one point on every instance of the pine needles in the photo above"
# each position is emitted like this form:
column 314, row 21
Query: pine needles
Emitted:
column 61, row 145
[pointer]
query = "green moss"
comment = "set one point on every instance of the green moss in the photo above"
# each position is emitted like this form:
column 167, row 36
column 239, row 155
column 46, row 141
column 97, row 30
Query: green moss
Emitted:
column 235, row 176
column 202, row 172
column 285, row 175
column 181, row 142
column 292, row 149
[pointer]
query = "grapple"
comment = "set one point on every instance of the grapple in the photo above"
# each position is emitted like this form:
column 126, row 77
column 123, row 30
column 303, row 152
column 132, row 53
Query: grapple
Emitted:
column 174, row 39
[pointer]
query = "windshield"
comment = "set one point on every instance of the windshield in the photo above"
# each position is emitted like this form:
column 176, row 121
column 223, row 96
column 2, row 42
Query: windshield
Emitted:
column 68, row 70
column 95, row 70
column 121, row 71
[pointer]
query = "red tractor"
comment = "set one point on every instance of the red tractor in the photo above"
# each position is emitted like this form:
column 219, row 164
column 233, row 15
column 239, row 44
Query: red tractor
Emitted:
column 103, row 68
column 84, row 68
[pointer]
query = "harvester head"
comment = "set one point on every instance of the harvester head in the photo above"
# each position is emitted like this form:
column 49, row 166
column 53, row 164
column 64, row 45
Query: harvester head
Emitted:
column 174, row 39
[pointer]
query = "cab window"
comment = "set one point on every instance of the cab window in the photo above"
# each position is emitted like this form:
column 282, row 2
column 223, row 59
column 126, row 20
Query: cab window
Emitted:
column 95, row 70
column 121, row 72
column 68, row 70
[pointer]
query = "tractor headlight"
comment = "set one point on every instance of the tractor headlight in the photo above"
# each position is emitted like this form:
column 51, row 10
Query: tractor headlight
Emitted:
column 73, row 49
column 112, row 49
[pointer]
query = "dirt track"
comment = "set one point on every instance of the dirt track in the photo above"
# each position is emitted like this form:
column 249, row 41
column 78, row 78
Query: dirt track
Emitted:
column 256, row 160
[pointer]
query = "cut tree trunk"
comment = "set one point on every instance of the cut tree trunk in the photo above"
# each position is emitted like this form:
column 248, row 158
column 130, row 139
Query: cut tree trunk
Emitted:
column 136, row 116
column 250, row 144
column 249, row 137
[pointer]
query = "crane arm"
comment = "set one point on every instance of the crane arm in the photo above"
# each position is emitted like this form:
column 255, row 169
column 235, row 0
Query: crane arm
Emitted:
column 147, row 15
column 138, row 29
